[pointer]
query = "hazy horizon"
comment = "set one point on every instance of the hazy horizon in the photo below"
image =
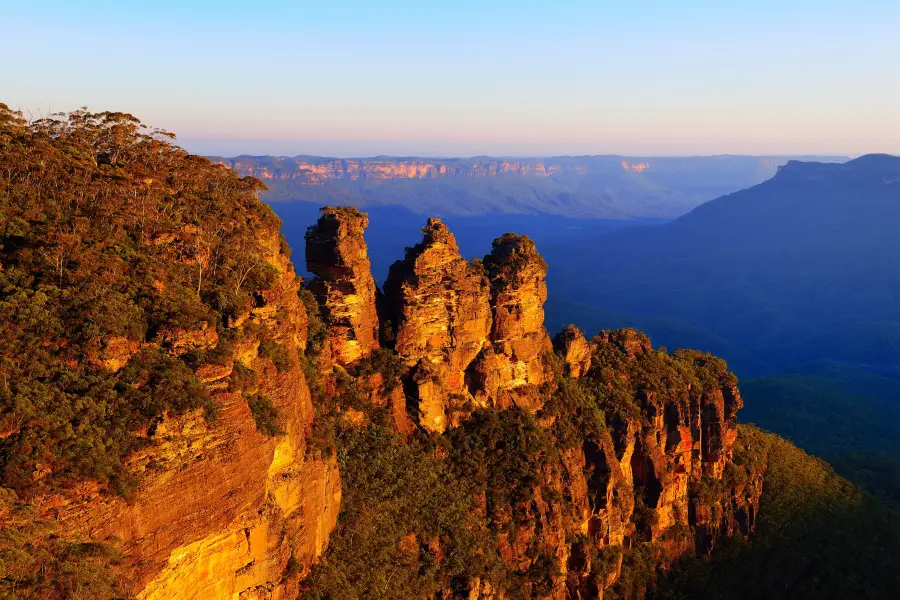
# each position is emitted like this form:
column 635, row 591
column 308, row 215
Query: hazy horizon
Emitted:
column 467, row 79
column 427, row 156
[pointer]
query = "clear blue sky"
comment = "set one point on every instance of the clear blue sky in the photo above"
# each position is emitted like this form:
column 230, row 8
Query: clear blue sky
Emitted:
column 461, row 78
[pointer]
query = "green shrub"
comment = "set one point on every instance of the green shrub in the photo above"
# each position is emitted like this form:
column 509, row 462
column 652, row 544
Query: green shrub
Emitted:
column 265, row 414
column 276, row 352
column 108, row 231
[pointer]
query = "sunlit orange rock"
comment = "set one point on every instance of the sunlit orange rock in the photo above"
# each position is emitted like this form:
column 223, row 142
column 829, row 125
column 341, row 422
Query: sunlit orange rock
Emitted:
column 440, row 308
column 511, row 369
column 336, row 253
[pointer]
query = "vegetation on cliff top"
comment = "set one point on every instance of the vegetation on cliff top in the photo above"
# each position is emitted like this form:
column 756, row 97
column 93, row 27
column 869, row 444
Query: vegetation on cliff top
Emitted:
column 35, row 564
column 433, row 514
column 117, row 249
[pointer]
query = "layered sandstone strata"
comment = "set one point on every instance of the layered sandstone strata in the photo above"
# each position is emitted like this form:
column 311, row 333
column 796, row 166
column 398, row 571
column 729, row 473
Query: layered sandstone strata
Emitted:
column 321, row 171
column 440, row 308
column 222, row 508
column 511, row 369
column 336, row 253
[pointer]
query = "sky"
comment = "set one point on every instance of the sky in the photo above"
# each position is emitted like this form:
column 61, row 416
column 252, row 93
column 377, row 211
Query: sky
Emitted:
column 462, row 78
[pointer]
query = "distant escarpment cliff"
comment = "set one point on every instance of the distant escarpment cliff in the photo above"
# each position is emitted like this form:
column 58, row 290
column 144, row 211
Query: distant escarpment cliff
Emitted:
column 574, row 186
column 182, row 417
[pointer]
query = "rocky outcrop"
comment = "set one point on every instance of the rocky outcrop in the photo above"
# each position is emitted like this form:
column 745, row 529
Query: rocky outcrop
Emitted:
column 227, row 511
column 575, row 351
column 222, row 508
column 336, row 253
column 651, row 478
column 471, row 334
column 668, row 456
column 511, row 369
column 440, row 308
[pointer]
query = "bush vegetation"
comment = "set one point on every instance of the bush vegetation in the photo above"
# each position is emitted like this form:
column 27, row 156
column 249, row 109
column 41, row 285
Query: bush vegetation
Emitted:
column 35, row 564
column 818, row 537
column 112, row 241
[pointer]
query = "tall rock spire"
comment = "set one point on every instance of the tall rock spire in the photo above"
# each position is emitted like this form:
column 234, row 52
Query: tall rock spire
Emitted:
column 512, row 368
column 336, row 253
column 440, row 306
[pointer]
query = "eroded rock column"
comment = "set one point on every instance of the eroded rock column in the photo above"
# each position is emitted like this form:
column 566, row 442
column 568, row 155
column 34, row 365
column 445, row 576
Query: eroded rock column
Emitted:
column 512, row 367
column 440, row 308
column 575, row 350
column 337, row 254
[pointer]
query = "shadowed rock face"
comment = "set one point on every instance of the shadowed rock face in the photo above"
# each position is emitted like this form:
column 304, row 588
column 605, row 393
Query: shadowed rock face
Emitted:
column 571, row 344
column 336, row 253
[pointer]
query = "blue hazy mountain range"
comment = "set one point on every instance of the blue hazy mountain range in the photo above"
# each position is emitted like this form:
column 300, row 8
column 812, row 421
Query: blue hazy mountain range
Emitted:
column 612, row 187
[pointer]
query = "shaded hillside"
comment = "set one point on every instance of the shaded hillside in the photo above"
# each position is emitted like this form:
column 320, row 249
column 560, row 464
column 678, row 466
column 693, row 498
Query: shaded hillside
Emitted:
column 798, row 279
column 579, row 186
column 817, row 538
column 828, row 410
column 847, row 415
column 805, row 266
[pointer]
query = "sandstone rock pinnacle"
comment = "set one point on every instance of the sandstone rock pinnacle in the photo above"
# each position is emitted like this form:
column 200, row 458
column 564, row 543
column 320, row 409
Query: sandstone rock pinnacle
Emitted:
column 512, row 367
column 336, row 253
column 440, row 306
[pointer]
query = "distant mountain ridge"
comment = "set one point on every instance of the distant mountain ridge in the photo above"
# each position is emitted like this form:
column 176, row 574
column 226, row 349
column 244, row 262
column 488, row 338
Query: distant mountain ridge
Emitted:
column 805, row 266
column 608, row 186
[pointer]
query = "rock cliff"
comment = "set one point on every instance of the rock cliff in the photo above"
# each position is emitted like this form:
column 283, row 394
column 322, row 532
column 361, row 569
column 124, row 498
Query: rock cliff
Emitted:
column 322, row 170
column 223, row 508
column 631, row 447
column 607, row 447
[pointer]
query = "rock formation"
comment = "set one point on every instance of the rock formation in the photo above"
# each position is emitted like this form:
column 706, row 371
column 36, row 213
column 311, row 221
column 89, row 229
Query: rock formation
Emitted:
column 653, row 474
column 440, row 308
column 468, row 336
column 512, row 368
column 336, row 253
column 223, row 508
column 575, row 351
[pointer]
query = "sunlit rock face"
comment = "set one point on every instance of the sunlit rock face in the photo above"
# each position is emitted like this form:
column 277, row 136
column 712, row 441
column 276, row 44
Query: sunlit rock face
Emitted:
column 439, row 304
column 223, row 509
column 575, row 351
column 336, row 253
column 511, row 369
column 325, row 170
column 283, row 168
column 471, row 333
column 654, row 473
